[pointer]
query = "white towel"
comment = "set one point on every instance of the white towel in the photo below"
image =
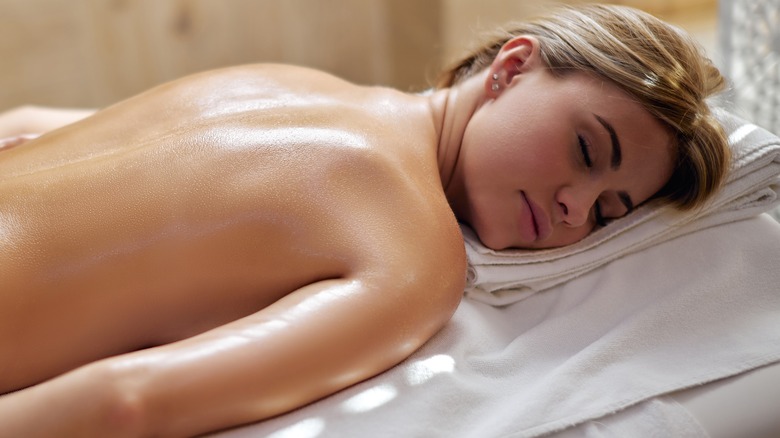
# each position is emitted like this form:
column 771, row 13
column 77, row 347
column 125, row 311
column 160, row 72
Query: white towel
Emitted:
column 656, row 417
column 503, row 277
column 581, row 353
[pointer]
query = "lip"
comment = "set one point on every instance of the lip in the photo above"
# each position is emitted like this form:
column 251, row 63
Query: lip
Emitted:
column 541, row 222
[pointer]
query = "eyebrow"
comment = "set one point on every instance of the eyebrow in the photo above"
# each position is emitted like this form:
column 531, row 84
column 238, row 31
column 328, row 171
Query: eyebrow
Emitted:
column 617, row 152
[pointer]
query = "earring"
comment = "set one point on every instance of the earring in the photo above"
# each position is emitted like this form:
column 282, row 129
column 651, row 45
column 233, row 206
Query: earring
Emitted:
column 495, row 85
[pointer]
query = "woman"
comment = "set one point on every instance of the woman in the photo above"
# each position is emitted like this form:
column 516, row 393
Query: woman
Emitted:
column 235, row 244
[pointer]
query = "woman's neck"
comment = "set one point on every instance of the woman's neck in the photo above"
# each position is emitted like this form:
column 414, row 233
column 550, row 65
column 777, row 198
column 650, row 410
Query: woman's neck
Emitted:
column 451, row 109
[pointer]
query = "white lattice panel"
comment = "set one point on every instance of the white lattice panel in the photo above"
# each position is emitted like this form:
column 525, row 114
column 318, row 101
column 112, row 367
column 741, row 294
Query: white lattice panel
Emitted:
column 750, row 49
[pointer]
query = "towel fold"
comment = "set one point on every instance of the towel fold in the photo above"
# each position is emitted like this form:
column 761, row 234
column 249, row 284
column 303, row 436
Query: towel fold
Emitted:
column 503, row 277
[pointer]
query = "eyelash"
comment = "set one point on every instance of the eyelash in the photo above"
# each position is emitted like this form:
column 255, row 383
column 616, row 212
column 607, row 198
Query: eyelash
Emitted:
column 600, row 221
column 584, row 149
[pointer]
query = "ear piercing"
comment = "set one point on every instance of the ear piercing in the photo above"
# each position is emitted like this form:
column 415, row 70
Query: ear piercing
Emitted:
column 495, row 85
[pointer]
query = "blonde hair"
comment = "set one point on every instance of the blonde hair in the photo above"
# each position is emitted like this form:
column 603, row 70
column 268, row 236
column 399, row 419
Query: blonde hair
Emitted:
column 660, row 66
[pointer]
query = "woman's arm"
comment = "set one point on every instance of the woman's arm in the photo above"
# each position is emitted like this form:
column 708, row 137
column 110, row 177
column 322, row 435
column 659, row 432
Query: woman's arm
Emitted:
column 314, row 342
column 27, row 120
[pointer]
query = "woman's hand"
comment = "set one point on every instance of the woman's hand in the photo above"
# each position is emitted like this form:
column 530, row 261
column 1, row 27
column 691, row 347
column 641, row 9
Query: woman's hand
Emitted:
column 16, row 140
column 21, row 122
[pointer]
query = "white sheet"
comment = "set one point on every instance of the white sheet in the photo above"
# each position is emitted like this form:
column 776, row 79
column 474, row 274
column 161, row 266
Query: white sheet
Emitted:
column 691, row 310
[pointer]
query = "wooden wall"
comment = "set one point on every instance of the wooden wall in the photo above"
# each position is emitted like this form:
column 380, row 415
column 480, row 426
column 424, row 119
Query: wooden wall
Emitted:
column 94, row 52
column 90, row 53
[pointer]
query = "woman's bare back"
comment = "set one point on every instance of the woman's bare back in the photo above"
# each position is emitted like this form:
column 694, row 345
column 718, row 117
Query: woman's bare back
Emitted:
column 203, row 201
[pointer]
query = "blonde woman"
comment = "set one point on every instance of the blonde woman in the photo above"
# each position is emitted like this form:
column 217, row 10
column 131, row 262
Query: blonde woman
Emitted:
column 239, row 243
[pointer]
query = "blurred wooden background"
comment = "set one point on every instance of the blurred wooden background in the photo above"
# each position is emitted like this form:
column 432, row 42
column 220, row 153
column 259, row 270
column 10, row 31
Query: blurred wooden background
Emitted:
column 90, row 53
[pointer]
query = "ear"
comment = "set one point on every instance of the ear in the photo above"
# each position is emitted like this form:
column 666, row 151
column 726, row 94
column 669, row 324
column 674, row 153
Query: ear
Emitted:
column 517, row 56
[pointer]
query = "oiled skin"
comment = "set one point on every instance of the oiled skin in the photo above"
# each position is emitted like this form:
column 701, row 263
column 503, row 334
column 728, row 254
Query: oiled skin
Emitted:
column 274, row 233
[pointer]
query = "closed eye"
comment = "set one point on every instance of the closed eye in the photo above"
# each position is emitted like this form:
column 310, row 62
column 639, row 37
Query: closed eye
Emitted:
column 584, row 148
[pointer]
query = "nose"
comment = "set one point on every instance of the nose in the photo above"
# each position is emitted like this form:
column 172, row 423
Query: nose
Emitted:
column 575, row 204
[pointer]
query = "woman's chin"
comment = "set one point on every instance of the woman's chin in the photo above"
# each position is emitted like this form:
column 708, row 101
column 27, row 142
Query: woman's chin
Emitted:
column 492, row 240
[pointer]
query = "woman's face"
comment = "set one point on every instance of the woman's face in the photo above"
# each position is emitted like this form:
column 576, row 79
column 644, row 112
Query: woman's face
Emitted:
column 544, row 160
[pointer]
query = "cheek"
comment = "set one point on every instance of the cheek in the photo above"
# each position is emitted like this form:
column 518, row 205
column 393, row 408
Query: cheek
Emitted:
column 500, row 145
column 490, row 160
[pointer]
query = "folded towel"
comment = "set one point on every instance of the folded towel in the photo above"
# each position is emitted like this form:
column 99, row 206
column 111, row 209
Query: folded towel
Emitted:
column 504, row 277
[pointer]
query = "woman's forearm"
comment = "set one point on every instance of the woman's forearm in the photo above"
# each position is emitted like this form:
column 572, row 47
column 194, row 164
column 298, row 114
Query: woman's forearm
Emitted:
column 318, row 340
column 82, row 403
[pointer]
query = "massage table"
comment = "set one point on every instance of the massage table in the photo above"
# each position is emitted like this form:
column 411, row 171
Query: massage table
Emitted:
column 673, row 330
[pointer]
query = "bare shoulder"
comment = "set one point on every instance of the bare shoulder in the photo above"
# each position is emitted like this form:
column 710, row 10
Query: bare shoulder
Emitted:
column 406, row 225
column 406, row 243
column 409, row 234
